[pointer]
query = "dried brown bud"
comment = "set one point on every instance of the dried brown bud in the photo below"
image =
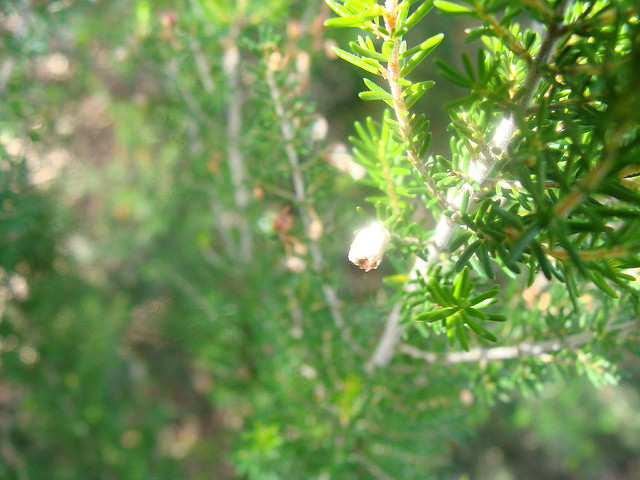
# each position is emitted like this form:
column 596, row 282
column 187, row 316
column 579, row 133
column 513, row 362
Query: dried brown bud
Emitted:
column 283, row 222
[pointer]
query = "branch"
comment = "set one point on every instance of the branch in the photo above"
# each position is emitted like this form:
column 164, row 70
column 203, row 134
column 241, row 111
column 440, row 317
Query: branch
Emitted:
column 204, row 69
column 589, row 255
column 392, row 75
column 479, row 171
column 300, row 195
column 387, row 343
column 540, row 350
column 231, row 63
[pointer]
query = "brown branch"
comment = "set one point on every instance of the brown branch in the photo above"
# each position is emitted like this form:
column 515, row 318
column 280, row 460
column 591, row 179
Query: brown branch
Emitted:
column 392, row 75
column 589, row 255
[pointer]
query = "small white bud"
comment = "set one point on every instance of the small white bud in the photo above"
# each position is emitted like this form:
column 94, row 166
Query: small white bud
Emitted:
column 231, row 59
column 319, row 129
column 295, row 264
column 18, row 287
column 299, row 248
column 303, row 63
column 369, row 246
column 340, row 158
column 308, row 371
column 315, row 230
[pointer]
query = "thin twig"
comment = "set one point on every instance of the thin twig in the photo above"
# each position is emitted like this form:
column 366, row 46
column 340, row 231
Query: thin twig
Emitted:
column 392, row 75
column 526, row 349
column 300, row 195
column 387, row 343
column 481, row 168
column 231, row 62
column 171, row 72
column 297, row 329
column 202, row 65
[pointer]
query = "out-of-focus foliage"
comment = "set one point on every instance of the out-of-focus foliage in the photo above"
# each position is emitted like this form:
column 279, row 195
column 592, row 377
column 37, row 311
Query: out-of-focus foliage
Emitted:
column 175, row 300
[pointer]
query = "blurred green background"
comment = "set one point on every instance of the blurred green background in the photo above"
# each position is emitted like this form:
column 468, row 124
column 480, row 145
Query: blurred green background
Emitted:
column 137, row 338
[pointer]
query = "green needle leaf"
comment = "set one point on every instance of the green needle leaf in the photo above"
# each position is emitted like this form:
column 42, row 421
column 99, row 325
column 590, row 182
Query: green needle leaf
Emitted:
column 342, row 22
column 447, row 72
column 461, row 333
column 384, row 96
column 599, row 281
column 483, row 256
column 480, row 330
column 435, row 315
column 460, row 240
column 466, row 255
column 491, row 293
column 525, row 239
column 367, row 52
column 336, row 7
column 370, row 66
column 450, row 8
column 425, row 49
column 416, row 16
column 416, row 91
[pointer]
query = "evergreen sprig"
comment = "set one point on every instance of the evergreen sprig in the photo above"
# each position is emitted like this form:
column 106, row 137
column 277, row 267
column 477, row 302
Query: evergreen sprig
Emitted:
column 542, row 175
column 392, row 60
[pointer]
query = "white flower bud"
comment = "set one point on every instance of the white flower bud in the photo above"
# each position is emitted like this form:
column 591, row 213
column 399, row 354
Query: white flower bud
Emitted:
column 295, row 264
column 320, row 129
column 315, row 230
column 369, row 246
column 339, row 156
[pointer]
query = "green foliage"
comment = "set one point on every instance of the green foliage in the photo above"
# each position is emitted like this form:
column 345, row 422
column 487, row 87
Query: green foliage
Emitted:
column 457, row 310
column 535, row 184
column 175, row 299
column 28, row 233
